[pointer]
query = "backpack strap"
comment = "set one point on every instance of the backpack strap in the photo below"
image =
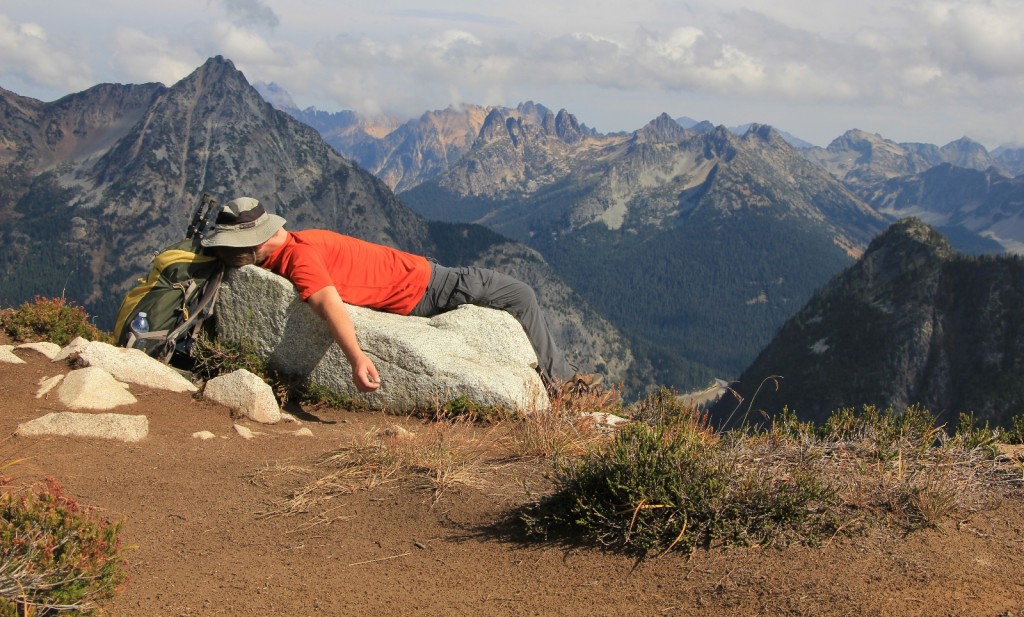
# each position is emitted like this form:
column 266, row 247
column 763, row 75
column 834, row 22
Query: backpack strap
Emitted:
column 203, row 309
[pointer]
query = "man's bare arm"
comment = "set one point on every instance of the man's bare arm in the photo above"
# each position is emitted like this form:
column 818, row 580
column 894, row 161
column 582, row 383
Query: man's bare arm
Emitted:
column 328, row 304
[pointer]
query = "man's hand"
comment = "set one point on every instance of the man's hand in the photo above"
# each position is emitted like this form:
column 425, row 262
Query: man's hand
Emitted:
column 328, row 304
column 364, row 375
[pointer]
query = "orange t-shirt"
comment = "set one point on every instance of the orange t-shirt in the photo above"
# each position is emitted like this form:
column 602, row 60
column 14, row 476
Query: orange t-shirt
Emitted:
column 364, row 273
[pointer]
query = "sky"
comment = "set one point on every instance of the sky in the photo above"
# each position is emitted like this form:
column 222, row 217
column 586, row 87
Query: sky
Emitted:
column 928, row 71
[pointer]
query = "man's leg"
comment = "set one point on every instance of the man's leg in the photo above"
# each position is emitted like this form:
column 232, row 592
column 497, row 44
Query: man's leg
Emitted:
column 450, row 288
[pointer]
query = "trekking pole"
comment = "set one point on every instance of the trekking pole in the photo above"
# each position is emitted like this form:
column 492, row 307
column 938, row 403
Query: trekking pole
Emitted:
column 200, row 219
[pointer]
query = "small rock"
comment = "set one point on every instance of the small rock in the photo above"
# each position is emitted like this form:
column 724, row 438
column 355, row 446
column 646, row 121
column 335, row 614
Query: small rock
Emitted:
column 50, row 350
column 204, row 435
column 398, row 432
column 93, row 388
column 606, row 421
column 244, row 432
column 115, row 426
column 245, row 393
column 7, row 355
column 47, row 383
column 303, row 432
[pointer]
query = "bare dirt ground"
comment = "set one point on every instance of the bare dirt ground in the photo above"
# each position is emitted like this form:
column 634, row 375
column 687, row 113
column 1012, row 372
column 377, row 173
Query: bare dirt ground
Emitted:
column 199, row 520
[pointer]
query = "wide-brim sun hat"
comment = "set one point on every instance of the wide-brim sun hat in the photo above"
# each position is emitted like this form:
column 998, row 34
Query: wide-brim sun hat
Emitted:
column 243, row 222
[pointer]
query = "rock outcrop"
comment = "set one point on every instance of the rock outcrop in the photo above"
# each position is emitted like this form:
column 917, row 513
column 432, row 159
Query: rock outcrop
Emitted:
column 477, row 353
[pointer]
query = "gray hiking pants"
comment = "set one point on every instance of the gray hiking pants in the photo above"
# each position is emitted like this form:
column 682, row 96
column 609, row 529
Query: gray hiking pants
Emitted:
column 450, row 288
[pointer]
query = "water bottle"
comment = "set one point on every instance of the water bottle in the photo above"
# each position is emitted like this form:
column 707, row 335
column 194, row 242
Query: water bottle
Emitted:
column 140, row 325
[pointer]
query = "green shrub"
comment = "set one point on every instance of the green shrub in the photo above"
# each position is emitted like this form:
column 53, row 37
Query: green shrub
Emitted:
column 54, row 555
column 1015, row 434
column 50, row 319
column 889, row 432
column 315, row 394
column 212, row 357
column 786, row 425
column 672, row 482
column 463, row 407
column 663, row 406
column 665, row 486
column 970, row 435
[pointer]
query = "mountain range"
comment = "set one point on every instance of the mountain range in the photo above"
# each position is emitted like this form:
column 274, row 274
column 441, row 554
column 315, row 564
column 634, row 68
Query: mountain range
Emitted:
column 667, row 255
column 406, row 154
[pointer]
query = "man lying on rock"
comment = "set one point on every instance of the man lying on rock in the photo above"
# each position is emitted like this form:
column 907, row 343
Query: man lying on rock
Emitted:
column 329, row 269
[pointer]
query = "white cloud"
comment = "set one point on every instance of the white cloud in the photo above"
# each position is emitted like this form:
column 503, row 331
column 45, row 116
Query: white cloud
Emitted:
column 251, row 12
column 147, row 58
column 28, row 56
column 244, row 46
column 919, row 60
column 985, row 39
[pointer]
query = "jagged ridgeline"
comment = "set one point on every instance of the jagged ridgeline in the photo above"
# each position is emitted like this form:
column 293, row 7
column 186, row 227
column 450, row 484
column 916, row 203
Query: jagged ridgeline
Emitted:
column 697, row 244
column 94, row 184
column 911, row 322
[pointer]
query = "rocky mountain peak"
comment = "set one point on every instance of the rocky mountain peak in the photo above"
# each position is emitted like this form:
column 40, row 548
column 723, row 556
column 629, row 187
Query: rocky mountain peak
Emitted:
column 856, row 140
column 567, row 127
column 966, row 152
column 905, row 247
column 721, row 143
column 493, row 128
column 532, row 113
column 765, row 134
column 911, row 235
column 662, row 129
column 221, row 84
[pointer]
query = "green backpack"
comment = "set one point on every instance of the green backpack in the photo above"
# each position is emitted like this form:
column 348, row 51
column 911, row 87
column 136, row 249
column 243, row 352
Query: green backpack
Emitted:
column 177, row 296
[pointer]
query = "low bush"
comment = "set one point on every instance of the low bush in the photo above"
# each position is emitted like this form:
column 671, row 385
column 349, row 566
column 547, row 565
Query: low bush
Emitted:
column 657, row 487
column 50, row 319
column 212, row 357
column 668, row 481
column 1015, row 434
column 55, row 555
column 889, row 432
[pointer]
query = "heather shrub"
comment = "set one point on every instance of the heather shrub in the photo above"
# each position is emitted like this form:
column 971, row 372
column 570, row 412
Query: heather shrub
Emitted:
column 50, row 319
column 55, row 555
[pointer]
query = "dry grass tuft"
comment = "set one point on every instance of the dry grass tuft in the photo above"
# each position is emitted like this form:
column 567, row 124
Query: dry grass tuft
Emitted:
column 550, row 436
column 437, row 456
column 445, row 455
column 462, row 445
